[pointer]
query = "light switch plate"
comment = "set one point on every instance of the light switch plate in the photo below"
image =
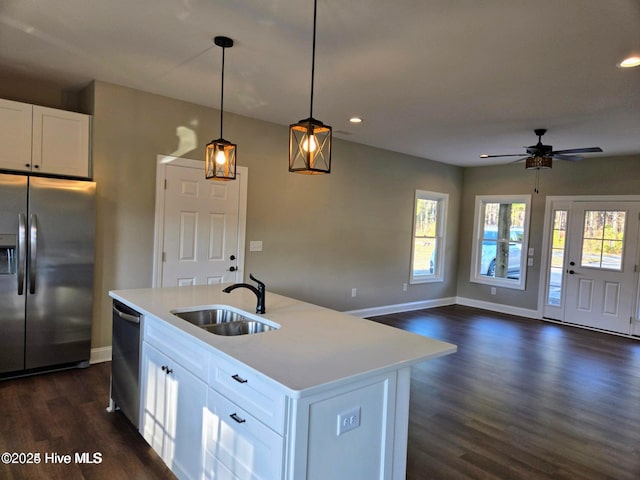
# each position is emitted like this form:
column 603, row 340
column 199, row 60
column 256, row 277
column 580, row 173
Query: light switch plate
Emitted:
column 255, row 246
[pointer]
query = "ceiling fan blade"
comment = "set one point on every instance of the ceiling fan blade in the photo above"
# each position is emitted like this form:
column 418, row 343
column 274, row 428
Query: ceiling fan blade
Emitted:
column 578, row 150
column 571, row 158
column 508, row 155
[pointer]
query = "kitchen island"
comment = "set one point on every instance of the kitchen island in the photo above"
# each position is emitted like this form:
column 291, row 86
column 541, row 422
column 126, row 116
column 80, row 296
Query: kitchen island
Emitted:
column 324, row 395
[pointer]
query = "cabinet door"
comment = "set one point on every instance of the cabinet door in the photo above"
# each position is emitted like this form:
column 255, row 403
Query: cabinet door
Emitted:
column 60, row 142
column 15, row 135
column 237, row 446
column 174, row 402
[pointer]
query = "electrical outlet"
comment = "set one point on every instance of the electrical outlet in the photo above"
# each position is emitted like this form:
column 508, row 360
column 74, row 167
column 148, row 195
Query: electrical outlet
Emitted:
column 493, row 290
column 354, row 292
column 348, row 420
column 404, row 287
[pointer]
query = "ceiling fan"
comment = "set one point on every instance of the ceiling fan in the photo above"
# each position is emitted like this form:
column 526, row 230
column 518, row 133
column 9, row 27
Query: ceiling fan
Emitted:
column 540, row 156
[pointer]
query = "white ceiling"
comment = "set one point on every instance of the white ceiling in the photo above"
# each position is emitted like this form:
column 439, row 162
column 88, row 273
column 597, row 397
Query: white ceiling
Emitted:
column 440, row 79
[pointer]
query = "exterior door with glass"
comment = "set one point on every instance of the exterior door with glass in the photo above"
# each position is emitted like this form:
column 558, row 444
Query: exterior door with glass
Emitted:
column 600, row 268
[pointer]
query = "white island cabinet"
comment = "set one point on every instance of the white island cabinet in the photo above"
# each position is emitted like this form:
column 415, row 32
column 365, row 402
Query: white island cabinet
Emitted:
column 324, row 396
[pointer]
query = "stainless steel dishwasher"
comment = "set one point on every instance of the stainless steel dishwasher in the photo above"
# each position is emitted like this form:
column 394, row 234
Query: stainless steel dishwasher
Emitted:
column 125, row 362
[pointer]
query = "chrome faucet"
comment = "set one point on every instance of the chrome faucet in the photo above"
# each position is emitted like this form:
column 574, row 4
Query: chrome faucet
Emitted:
column 260, row 291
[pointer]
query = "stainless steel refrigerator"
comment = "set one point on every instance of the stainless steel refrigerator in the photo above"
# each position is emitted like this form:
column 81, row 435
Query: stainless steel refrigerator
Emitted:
column 47, row 236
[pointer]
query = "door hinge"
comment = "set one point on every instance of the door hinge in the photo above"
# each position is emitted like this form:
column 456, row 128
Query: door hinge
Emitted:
column 164, row 257
column 165, row 183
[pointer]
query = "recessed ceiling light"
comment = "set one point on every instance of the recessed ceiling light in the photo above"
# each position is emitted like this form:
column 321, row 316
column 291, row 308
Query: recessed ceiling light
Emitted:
column 355, row 119
column 630, row 62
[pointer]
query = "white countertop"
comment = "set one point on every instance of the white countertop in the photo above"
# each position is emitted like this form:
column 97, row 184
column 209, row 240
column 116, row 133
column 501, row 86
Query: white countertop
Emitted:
column 313, row 347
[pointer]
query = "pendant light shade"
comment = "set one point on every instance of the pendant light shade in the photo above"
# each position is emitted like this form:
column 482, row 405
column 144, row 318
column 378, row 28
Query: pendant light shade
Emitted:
column 310, row 139
column 220, row 154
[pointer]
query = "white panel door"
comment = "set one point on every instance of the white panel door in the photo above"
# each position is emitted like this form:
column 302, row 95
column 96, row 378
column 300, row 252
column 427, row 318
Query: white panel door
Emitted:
column 202, row 232
column 601, row 264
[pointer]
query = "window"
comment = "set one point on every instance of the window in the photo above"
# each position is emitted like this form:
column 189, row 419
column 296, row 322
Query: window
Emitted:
column 427, row 255
column 603, row 239
column 556, row 266
column 501, row 230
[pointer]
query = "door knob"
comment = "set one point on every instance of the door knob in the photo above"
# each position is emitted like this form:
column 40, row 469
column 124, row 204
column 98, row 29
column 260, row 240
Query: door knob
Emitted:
column 232, row 269
column 572, row 263
column 232, row 257
column 571, row 272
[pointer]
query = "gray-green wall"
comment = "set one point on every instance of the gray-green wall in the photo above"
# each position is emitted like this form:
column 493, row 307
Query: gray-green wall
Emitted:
column 322, row 235
column 594, row 176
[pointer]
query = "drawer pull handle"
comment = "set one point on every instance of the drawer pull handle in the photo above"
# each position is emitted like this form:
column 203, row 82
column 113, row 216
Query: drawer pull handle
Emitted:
column 237, row 418
column 239, row 379
column 166, row 369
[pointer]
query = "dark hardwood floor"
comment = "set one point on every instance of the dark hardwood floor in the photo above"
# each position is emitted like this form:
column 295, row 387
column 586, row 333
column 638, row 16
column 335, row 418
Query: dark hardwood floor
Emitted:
column 521, row 399
column 65, row 413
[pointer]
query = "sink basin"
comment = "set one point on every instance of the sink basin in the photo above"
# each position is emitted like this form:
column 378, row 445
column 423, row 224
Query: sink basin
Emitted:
column 223, row 321
column 238, row 327
column 210, row 316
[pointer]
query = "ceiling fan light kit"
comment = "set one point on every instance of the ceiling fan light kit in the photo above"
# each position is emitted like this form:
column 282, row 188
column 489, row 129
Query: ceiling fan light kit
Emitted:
column 538, row 163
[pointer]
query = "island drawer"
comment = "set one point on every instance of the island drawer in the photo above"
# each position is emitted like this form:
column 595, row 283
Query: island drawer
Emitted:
column 249, row 390
column 237, row 445
column 179, row 346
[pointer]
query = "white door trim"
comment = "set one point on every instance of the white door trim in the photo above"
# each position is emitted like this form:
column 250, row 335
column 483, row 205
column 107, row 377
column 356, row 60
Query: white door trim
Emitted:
column 550, row 203
column 158, row 234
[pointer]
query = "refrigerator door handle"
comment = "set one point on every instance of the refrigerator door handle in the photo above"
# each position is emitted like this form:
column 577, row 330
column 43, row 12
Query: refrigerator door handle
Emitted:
column 33, row 251
column 22, row 248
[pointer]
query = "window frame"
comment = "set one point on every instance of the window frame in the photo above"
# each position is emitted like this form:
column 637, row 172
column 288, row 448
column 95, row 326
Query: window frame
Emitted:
column 478, row 236
column 443, row 204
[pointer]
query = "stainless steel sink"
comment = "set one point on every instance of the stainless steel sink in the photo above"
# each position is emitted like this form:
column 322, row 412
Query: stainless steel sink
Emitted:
column 210, row 316
column 238, row 327
column 222, row 321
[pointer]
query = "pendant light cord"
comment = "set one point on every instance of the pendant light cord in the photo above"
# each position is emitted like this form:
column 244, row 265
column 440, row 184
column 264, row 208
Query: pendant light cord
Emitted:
column 222, row 94
column 313, row 56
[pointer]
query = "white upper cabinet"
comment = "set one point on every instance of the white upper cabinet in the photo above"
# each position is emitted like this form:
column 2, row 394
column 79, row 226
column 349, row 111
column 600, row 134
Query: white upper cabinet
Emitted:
column 15, row 135
column 43, row 140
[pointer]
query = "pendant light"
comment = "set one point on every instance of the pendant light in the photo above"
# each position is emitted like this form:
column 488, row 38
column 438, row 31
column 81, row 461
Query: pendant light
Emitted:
column 310, row 139
column 220, row 154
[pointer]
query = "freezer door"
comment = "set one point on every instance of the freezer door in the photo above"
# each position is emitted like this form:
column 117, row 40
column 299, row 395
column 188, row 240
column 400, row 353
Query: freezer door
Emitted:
column 13, row 209
column 59, row 287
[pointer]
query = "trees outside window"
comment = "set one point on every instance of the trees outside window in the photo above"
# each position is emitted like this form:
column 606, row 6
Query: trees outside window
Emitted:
column 499, row 252
column 427, row 254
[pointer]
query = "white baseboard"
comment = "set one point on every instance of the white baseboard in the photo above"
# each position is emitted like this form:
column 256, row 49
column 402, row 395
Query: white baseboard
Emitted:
column 401, row 307
column 498, row 307
column 99, row 355
column 441, row 302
